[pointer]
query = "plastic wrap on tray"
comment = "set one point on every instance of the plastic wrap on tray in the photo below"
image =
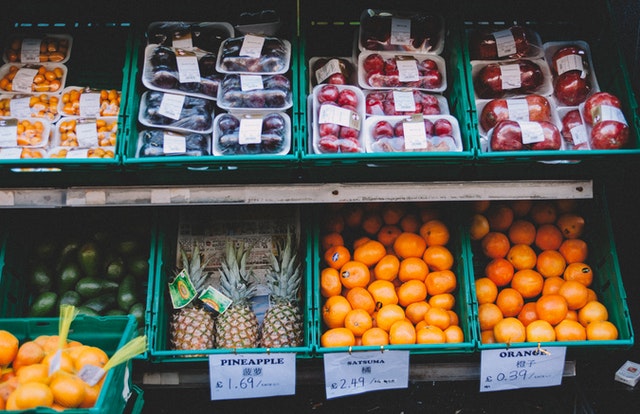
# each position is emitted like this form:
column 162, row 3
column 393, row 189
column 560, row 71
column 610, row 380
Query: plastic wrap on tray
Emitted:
column 22, row 153
column 332, row 70
column 206, row 36
column 30, row 106
column 163, row 71
column 528, row 108
column 81, row 153
column 510, row 135
column 252, row 134
column 257, row 55
column 418, row 133
column 255, row 92
column 572, row 70
column 75, row 132
column 28, row 48
column 177, row 112
column 27, row 133
column 405, row 102
column 30, row 78
column 264, row 22
column 494, row 43
column 606, row 124
column 407, row 31
column 388, row 70
column 85, row 101
column 515, row 78
column 160, row 143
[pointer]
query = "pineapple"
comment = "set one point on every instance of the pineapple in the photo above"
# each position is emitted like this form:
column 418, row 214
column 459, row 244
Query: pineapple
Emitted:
column 192, row 327
column 282, row 325
column 238, row 326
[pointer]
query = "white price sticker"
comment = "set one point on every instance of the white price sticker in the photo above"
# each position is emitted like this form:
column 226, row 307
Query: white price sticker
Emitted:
column 403, row 101
column 182, row 41
column 330, row 68
column 174, row 144
column 408, row 70
column 608, row 113
column 400, row 31
column 250, row 131
column 570, row 62
column 360, row 372
column 509, row 369
column 505, row 42
column 415, row 136
column 188, row 69
column 89, row 104
column 510, row 76
column 251, row 83
column 8, row 133
column 331, row 114
column 518, row 109
column 579, row 135
column 239, row 376
column 532, row 132
column 87, row 133
column 23, row 80
column 30, row 51
column 20, row 108
column 171, row 105
column 252, row 46
column 77, row 153
column 10, row 153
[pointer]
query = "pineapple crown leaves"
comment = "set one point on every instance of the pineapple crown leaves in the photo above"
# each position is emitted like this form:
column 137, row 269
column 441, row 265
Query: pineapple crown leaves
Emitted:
column 285, row 274
column 195, row 268
column 236, row 280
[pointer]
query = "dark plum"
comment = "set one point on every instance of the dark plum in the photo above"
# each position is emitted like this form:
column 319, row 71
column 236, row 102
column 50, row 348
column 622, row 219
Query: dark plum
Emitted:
column 228, row 124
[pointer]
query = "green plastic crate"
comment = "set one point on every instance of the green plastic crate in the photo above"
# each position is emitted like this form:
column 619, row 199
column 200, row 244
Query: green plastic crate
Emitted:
column 607, row 281
column 590, row 21
column 17, row 295
column 213, row 168
column 109, row 334
column 457, row 245
column 167, row 250
column 325, row 32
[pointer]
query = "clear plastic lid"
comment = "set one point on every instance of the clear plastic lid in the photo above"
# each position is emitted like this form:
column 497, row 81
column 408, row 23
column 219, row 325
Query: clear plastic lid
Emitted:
column 405, row 102
column 49, row 78
column 179, row 113
column 44, row 106
column 35, row 48
column 252, row 92
column 252, row 134
column 85, row 132
column 155, row 142
column 24, row 132
column 254, row 55
column 85, row 101
column 390, row 70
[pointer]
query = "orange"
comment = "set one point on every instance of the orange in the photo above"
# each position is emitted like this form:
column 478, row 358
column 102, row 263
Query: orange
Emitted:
column 334, row 311
column 528, row 313
column 593, row 311
column 480, row 206
column 67, row 364
column 443, row 281
column 337, row 256
column 488, row 315
column 435, row 233
column 580, row 272
column 487, row 337
column 566, row 205
column 495, row 244
column 383, row 293
column 528, row 283
column 500, row 217
column 454, row 334
column 438, row 258
column 410, row 223
column 8, row 347
column 552, row 308
column 575, row 293
column 568, row 330
column 7, row 386
column 443, row 300
column 428, row 213
column 92, row 355
column 478, row 227
column 30, row 395
column 392, row 213
column 369, row 253
column 510, row 330
column 330, row 284
column 415, row 311
column 91, row 394
column 571, row 225
column 337, row 337
column 522, row 232
column 602, row 331
column 409, row 245
column 521, row 256
column 332, row 239
column 402, row 332
column 548, row 237
column 353, row 214
column 430, row 334
column 550, row 263
column 574, row 250
column 28, row 353
column 33, row 373
column 375, row 337
column 543, row 212
column 354, row 274
column 500, row 271
column 387, row 268
column 453, row 317
column 388, row 234
column 358, row 321
column 592, row 295
column 540, row 331
column 68, row 390
column 486, row 290
column 552, row 285
column 438, row 317
column 371, row 223
column 333, row 223
column 411, row 291
column 572, row 314
column 360, row 241
column 510, row 302
column 387, row 315
column 413, row 268
column 520, row 207
column 360, row 298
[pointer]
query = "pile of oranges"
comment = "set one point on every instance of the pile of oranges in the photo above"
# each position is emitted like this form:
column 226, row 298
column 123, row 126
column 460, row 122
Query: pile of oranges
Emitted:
column 24, row 373
column 386, row 276
column 536, row 283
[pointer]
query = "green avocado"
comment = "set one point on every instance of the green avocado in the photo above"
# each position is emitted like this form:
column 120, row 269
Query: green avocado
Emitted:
column 137, row 310
column 68, row 277
column 41, row 278
column 91, row 287
column 127, row 246
column 89, row 259
column 127, row 292
column 69, row 252
column 101, row 304
column 115, row 269
column 44, row 305
column 70, row 297
column 139, row 267
column 87, row 311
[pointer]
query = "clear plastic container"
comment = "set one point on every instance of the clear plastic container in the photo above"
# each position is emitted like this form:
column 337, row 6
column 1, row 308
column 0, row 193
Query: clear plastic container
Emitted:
column 77, row 102
column 332, row 70
column 155, row 142
column 236, row 134
column 80, row 132
column 254, row 55
column 508, row 79
column 30, row 106
column 28, row 48
column 24, row 132
column 501, row 43
column 252, row 92
column 203, row 36
column 33, row 78
column 391, row 70
column 176, row 112
column 404, row 102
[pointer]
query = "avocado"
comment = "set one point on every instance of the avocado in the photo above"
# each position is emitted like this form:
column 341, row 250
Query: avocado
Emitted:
column 89, row 259
column 70, row 297
column 127, row 292
column 115, row 269
column 44, row 305
column 68, row 277
column 69, row 252
column 91, row 287
column 40, row 278
column 127, row 246
column 87, row 311
column 115, row 312
column 101, row 304
column 139, row 267
column 45, row 250
column 137, row 310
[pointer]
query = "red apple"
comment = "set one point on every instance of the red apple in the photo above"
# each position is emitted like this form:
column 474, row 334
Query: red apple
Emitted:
column 373, row 63
column 571, row 88
column 506, row 136
column 552, row 138
column 594, row 101
column 329, row 129
column 328, row 143
column 347, row 132
column 347, row 97
column 374, row 106
column 382, row 129
column 442, row 127
column 337, row 79
column 571, row 120
column 398, row 129
column 328, row 93
column 432, row 79
column 568, row 51
column 609, row 135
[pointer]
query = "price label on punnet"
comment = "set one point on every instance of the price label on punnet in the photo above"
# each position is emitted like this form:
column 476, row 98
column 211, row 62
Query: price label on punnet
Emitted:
column 239, row 376
column 509, row 369
column 359, row 372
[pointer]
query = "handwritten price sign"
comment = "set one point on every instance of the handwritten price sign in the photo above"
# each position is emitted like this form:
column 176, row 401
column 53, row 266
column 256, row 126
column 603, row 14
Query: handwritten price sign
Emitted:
column 508, row 369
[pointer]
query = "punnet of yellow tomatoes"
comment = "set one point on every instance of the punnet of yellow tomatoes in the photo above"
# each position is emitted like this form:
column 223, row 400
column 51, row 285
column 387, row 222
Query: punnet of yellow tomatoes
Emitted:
column 106, row 103
column 30, row 78
column 389, row 276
